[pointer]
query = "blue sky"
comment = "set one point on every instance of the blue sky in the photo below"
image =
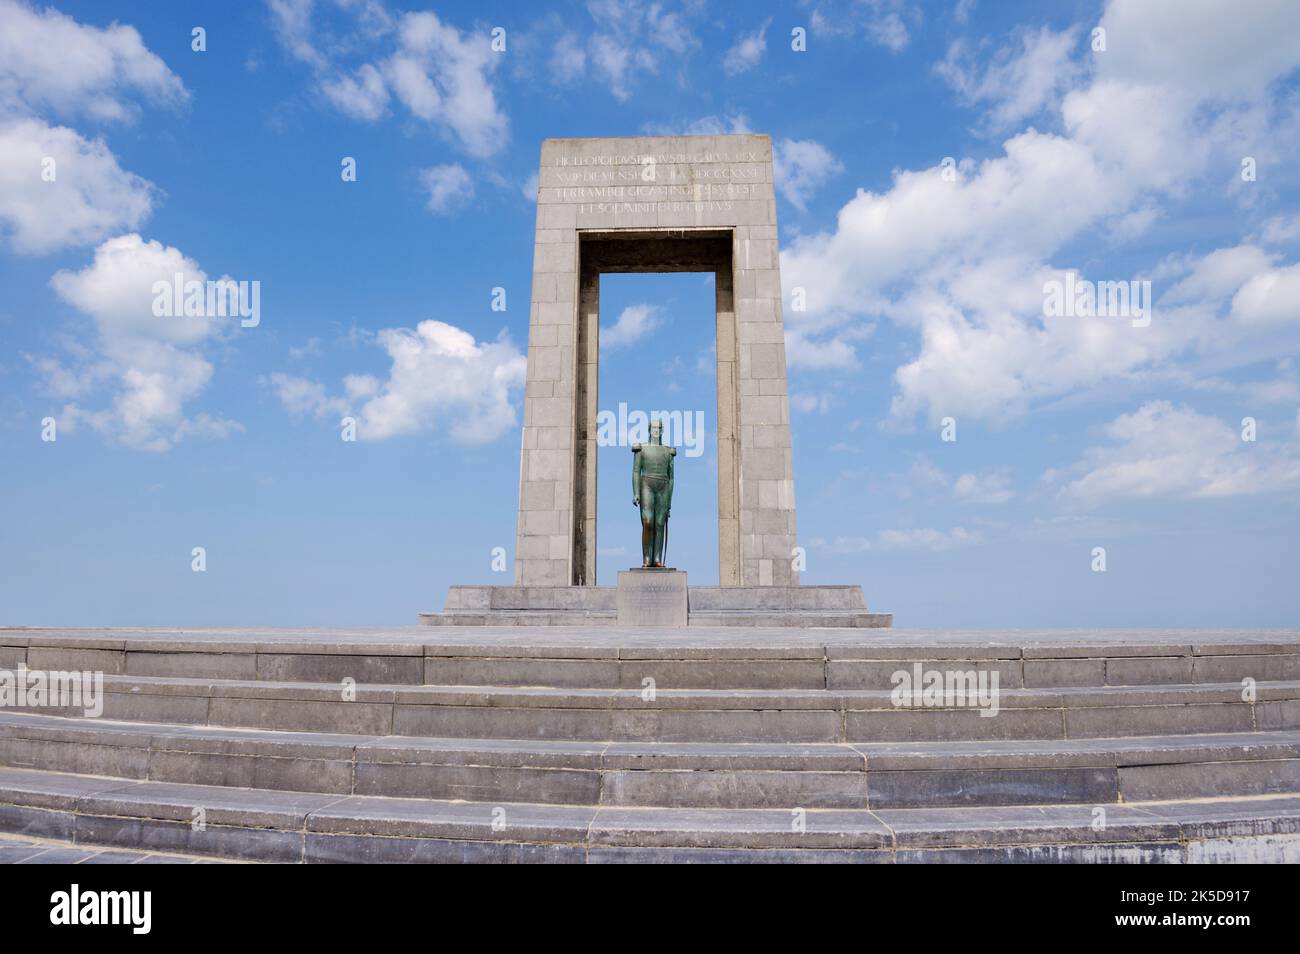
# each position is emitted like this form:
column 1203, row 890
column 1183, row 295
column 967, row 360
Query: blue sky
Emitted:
column 924, row 285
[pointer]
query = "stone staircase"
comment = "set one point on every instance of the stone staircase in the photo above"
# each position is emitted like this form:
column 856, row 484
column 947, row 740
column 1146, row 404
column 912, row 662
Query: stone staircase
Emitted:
column 574, row 744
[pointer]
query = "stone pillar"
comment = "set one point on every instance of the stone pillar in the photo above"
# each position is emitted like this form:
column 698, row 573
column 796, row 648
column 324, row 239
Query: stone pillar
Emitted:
column 544, row 539
column 767, row 524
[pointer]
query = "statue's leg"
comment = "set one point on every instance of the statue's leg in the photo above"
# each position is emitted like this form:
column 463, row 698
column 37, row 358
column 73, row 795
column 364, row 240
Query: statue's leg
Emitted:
column 660, row 518
column 647, row 524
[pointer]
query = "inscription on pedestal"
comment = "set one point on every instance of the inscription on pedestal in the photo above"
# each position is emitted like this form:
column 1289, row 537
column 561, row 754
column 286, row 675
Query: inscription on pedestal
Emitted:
column 652, row 598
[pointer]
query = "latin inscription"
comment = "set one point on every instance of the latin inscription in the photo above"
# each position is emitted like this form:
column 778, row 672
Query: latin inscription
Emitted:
column 631, row 186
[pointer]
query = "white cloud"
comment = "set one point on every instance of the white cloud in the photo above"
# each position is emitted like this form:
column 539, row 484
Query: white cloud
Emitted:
column 889, row 31
column 882, row 22
column 441, row 74
column 704, row 126
column 152, row 365
column 632, row 324
column 1021, row 80
column 116, row 290
column 800, row 167
column 440, row 379
column 626, row 40
column 449, row 186
column 293, row 28
column 1204, row 48
column 962, row 259
column 669, row 30
column 49, row 61
column 1271, row 297
column 617, row 63
column 747, row 51
column 803, row 353
column 1165, row 451
column 302, row 396
column 58, row 188
column 568, row 58
column 810, row 403
column 363, row 96
column 529, row 187
column 982, row 487
column 1280, row 228
column 1218, row 274
column 991, row 487
column 90, row 198
column 921, row 538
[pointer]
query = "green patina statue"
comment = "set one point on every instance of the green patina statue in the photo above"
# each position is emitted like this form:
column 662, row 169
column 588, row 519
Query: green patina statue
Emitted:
column 652, row 491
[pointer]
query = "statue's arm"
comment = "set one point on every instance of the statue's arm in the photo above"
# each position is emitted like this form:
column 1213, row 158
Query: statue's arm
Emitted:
column 636, row 475
column 672, row 458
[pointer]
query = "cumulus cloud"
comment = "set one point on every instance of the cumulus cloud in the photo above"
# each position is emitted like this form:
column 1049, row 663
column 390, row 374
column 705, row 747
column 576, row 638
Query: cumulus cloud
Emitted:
column 149, row 366
column 441, row 379
column 960, row 254
column 58, row 188
column 1165, row 451
column 90, row 197
column 49, row 61
column 449, row 186
column 442, row 75
column 633, row 323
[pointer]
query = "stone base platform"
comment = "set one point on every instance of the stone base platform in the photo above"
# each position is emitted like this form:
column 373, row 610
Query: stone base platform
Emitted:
column 597, row 745
column 756, row 606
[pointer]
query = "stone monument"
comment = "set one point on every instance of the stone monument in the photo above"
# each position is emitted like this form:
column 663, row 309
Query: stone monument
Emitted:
column 656, row 204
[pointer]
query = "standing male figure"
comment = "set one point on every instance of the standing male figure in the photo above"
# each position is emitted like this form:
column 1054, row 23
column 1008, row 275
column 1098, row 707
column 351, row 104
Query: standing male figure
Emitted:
column 652, row 491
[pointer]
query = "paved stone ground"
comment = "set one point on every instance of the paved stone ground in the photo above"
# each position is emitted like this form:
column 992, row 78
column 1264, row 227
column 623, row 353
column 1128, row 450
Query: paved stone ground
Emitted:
column 612, row 637
column 19, row 850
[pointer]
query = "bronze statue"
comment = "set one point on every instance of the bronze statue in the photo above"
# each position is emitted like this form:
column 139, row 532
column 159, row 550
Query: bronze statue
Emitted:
column 652, row 491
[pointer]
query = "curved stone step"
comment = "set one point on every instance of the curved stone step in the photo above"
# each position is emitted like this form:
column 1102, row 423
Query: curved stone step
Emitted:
column 862, row 775
column 697, row 658
column 293, row 827
column 697, row 715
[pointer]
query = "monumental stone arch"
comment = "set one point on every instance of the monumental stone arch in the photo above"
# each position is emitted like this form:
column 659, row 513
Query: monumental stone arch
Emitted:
column 655, row 204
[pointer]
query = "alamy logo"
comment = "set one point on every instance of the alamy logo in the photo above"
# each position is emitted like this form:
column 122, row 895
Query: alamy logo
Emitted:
column 134, row 908
column 37, row 688
column 224, row 298
column 1080, row 298
column 624, row 428
column 946, row 689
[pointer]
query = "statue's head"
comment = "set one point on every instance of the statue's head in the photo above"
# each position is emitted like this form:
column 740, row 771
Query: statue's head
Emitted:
column 656, row 431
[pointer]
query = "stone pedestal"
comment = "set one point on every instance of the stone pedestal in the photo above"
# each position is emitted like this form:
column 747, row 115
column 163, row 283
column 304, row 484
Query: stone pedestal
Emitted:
column 652, row 598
